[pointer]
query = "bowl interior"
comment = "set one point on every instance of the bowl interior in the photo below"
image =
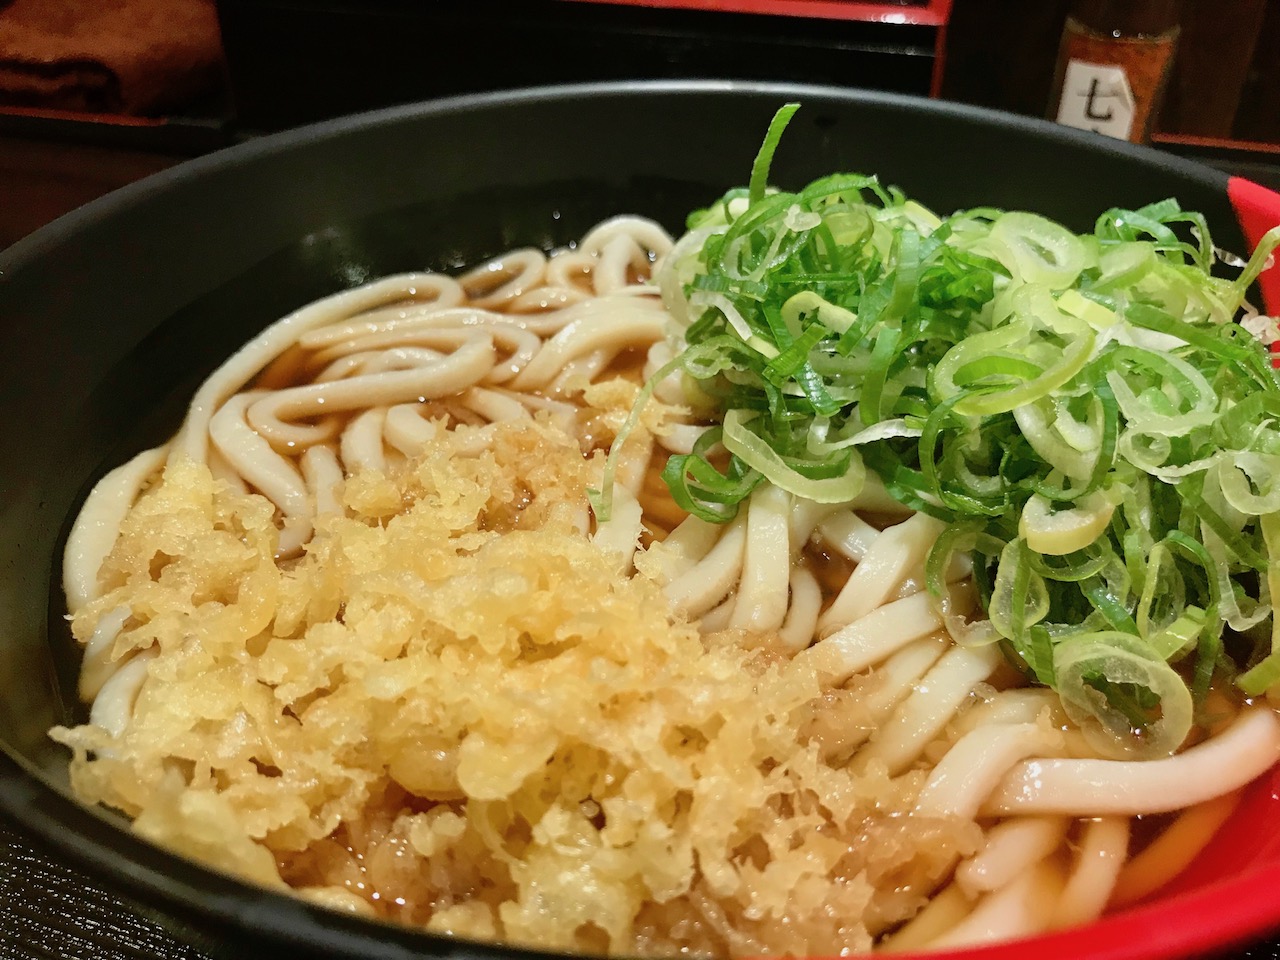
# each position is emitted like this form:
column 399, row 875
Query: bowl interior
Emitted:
column 114, row 314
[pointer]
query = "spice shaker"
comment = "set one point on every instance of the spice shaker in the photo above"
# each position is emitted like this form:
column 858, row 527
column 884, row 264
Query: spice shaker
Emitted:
column 1113, row 66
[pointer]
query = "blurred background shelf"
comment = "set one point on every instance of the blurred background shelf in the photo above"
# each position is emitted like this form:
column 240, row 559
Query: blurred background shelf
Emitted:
column 291, row 61
column 1224, row 89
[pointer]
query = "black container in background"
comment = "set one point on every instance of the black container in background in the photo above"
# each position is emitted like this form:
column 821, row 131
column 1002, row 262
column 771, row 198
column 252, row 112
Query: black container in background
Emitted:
column 295, row 61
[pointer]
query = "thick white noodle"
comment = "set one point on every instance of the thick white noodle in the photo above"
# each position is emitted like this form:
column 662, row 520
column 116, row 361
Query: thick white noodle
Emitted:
column 711, row 578
column 959, row 568
column 806, row 515
column 617, row 258
column 892, row 557
column 1096, row 788
column 974, row 766
column 1016, row 910
column 361, row 444
column 224, row 472
column 402, row 357
column 645, row 234
column 113, row 706
column 867, row 641
column 583, row 369
column 407, row 430
column 98, row 666
column 718, row 617
column 451, row 375
column 569, row 271
column 274, row 476
column 97, row 526
column 688, row 543
column 504, row 278
column 323, row 473
column 797, row 630
column 937, row 697
column 681, row 437
column 895, row 678
column 378, row 328
column 620, row 534
column 670, row 389
column 1010, row 849
column 494, row 406
column 763, row 587
column 245, row 363
column 943, row 911
column 610, row 323
column 546, row 299
column 438, row 329
column 633, row 465
column 874, row 498
column 1019, row 705
column 1103, row 847
column 847, row 534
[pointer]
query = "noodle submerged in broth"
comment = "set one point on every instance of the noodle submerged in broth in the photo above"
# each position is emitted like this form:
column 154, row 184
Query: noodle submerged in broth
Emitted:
column 358, row 631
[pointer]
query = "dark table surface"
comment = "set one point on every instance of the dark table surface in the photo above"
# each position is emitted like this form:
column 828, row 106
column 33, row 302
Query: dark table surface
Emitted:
column 48, row 909
column 51, row 911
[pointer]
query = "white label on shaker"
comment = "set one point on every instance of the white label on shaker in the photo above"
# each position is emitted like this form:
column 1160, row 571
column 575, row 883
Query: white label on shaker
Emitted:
column 1097, row 97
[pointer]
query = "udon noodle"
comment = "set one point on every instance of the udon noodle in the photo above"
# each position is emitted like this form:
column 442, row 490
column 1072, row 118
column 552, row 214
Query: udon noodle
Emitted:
column 356, row 632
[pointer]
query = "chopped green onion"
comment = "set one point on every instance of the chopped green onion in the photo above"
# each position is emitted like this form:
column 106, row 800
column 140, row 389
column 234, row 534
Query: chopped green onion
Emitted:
column 1100, row 436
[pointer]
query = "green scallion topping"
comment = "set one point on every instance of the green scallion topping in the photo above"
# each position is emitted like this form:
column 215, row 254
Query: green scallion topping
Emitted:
column 1084, row 410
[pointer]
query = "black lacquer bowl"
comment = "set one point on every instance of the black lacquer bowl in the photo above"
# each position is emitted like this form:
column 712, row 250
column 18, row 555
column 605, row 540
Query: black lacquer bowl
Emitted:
column 112, row 315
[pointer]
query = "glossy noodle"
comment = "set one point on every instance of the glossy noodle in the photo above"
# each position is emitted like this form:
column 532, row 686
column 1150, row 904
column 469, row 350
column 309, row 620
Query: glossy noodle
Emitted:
column 356, row 631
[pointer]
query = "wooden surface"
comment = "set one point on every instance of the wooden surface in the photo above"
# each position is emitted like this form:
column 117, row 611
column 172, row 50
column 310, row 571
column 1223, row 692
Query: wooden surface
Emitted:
column 49, row 911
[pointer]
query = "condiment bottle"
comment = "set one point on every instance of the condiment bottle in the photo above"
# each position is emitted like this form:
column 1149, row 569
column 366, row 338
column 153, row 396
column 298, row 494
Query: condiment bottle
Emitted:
column 1113, row 66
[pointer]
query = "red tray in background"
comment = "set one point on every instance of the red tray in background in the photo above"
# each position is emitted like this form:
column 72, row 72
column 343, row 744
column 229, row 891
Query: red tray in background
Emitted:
column 929, row 13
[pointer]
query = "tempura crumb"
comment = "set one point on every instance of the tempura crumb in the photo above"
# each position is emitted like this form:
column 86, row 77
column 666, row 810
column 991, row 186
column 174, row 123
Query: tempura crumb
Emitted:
column 453, row 711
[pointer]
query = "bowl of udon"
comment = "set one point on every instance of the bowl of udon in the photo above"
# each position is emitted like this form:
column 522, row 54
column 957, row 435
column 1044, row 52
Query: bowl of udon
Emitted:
column 654, row 519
